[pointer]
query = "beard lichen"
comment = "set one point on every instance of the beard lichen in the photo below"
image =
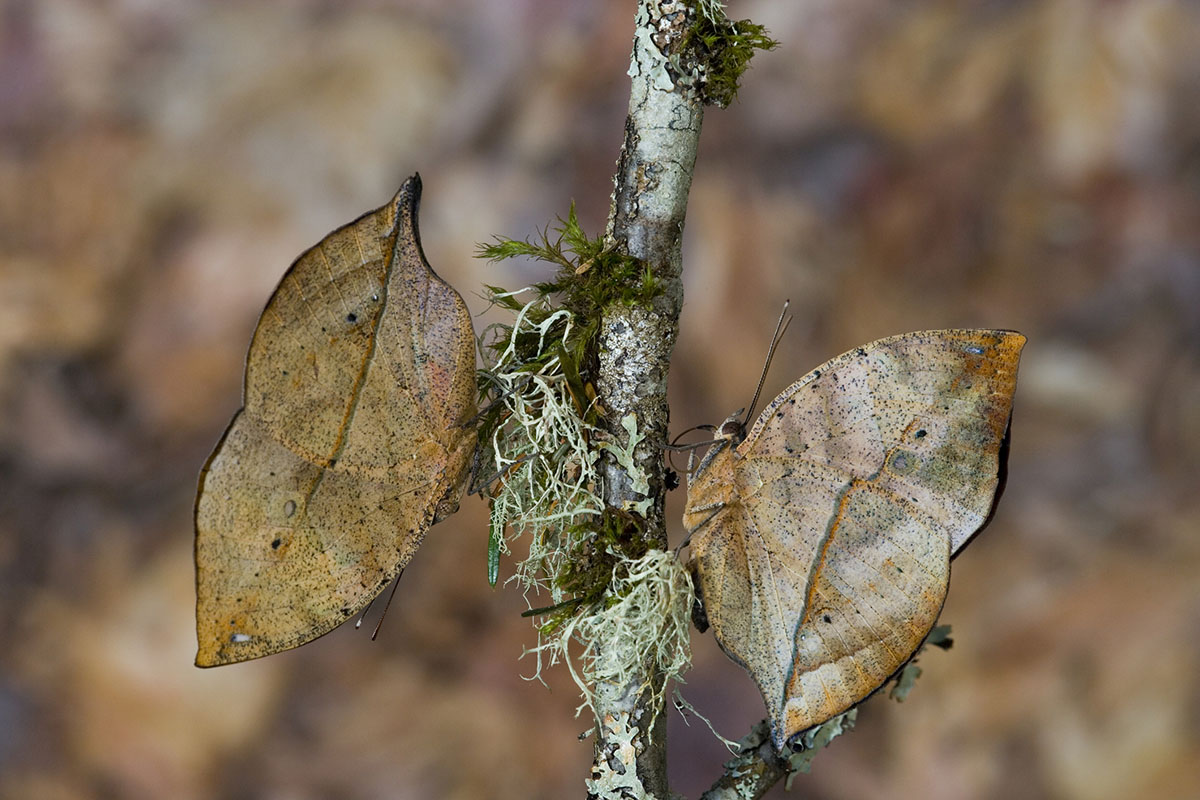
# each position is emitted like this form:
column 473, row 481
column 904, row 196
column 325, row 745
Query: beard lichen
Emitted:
column 617, row 605
column 639, row 621
column 539, row 446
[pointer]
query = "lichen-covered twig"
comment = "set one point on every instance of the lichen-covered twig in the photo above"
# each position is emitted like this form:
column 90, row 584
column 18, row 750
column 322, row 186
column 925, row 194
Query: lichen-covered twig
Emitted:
column 681, row 49
column 649, row 202
column 579, row 416
column 750, row 773
column 757, row 767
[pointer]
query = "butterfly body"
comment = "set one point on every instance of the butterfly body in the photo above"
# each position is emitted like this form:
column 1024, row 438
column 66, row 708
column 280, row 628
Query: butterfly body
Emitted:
column 822, row 539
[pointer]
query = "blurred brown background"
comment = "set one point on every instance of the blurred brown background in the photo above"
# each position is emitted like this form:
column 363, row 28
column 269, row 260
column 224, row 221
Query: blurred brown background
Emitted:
column 891, row 167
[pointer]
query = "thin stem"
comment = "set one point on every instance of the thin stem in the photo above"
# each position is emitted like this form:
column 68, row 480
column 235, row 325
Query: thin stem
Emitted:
column 752, row 773
column 649, row 202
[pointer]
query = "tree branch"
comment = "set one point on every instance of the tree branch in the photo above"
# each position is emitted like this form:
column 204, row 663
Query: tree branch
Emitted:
column 649, row 202
column 685, row 55
column 750, row 774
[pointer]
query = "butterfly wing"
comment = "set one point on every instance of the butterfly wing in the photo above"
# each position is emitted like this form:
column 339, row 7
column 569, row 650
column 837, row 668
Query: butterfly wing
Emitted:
column 351, row 442
column 824, row 561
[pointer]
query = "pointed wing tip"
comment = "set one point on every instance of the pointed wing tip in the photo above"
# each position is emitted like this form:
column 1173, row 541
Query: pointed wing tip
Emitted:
column 406, row 204
column 408, row 196
column 1008, row 343
column 785, row 736
column 211, row 651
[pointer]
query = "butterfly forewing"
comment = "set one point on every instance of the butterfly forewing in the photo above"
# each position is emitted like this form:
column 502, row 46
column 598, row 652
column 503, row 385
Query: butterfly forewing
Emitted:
column 825, row 561
column 358, row 382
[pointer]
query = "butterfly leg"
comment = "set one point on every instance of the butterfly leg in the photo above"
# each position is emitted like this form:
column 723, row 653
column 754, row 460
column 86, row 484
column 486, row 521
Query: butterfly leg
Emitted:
column 713, row 509
column 498, row 400
column 477, row 486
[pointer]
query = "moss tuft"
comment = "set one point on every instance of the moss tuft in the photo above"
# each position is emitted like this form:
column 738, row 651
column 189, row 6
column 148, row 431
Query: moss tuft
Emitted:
column 641, row 619
column 536, row 435
column 590, row 275
column 724, row 48
column 609, row 543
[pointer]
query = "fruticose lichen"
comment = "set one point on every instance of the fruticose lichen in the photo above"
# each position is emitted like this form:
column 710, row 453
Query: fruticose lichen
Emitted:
column 616, row 605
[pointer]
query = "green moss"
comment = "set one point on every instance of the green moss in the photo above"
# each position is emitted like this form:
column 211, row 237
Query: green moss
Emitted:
column 589, row 279
column 606, row 545
column 534, row 437
column 724, row 48
column 553, row 338
column 614, row 601
column 590, row 276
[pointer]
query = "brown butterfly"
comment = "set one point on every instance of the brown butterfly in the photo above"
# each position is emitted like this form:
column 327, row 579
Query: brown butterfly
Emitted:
column 352, row 440
column 822, row 539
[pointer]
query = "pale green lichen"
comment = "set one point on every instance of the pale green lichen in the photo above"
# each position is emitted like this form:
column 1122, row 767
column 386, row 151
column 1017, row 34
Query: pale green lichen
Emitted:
column 713, row 10
column 616, row 774
column 656, row 61
column 642, row 620
column 639, row 481
column 939, row 637
column 815, row 739
column 905, row 682
column 618, row 607
column 540, row 449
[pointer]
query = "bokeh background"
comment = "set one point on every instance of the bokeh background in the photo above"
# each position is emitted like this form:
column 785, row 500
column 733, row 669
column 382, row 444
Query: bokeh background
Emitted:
column 1029, row 164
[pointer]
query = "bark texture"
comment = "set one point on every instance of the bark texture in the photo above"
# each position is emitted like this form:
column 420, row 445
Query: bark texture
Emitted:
column 749, row 775
column 649, row 202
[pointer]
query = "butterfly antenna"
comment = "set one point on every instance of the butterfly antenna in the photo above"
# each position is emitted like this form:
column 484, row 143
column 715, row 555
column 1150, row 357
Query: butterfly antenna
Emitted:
column 675, row 447
column 780, row 328
column 378, row 625
column 498, row 474
column 363, row 615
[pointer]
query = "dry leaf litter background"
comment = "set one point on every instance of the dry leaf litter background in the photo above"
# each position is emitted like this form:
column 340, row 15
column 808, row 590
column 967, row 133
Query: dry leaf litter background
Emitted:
column 891, row 167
